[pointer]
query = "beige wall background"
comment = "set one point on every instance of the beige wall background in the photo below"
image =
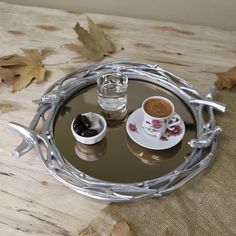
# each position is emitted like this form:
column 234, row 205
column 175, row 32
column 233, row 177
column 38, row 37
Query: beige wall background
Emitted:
column 216, row 13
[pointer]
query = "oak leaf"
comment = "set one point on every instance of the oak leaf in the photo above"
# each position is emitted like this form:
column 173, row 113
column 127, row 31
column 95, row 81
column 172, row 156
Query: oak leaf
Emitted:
column 24, row 68
column 226, row 79
column 97, row 43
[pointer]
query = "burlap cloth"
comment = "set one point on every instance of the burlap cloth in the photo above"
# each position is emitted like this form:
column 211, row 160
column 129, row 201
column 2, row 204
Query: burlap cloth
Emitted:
column 204, row 206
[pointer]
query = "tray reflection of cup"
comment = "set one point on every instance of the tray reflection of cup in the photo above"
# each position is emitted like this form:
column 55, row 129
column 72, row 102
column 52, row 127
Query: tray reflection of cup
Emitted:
column 91, row 152
column 159, row 115
column 112, row 95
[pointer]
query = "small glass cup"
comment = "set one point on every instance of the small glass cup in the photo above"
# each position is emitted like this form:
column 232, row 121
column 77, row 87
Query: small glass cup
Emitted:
column 112, row 95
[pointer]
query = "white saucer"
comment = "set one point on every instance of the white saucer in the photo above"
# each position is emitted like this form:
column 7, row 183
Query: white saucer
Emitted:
column 137, row 133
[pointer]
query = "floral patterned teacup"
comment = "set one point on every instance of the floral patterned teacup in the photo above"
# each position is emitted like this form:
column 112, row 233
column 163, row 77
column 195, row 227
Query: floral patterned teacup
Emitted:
column 159, row 115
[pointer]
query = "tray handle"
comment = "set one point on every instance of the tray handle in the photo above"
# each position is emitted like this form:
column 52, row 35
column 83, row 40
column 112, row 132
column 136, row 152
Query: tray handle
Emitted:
column 29, row 139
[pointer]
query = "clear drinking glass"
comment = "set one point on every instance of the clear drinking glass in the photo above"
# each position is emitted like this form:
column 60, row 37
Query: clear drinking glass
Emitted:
column 112, row 95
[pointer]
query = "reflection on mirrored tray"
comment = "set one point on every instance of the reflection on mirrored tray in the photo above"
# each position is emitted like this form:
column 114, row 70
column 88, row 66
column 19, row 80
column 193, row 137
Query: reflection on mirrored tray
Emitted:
column 113, row 124
column 149, row 156
column 91, row 152
column 117, row 158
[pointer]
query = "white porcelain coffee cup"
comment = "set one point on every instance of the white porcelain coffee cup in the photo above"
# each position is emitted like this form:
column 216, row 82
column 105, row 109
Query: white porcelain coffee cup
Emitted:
column 159, row 115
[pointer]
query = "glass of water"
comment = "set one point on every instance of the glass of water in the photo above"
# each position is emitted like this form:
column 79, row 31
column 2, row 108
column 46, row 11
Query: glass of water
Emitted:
column 112, row 95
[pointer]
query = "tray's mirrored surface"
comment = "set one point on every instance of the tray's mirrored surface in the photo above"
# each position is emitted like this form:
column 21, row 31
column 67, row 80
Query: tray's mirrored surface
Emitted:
column 117, row 158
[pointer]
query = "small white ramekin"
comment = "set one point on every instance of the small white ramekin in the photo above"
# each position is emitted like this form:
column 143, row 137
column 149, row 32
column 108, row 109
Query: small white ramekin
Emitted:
column 93, row 139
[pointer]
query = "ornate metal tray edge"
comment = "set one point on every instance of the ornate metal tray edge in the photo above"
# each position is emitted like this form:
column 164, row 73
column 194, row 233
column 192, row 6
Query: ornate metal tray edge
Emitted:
column 57, row 93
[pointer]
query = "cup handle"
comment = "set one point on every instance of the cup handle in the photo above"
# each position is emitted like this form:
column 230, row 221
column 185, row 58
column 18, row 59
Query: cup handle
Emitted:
column 173, row 121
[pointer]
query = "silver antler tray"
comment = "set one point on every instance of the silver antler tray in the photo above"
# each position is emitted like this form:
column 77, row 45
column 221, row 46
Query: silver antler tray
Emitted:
column 118, row 169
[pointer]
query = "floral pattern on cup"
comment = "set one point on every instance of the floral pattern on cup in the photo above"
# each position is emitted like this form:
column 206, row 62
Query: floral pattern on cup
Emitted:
column 153, row 126
column 177, row 130
column 156, row 124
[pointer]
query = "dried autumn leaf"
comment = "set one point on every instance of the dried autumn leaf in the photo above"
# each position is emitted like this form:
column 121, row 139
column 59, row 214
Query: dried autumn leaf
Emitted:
column 6, row 61
column 121, row 229
column 33, row 68
column 9, row 60
column 226, row 79
column 95, row 41
column 6, row 74
column 93, row 49
column 21, row 70
column 99, row 36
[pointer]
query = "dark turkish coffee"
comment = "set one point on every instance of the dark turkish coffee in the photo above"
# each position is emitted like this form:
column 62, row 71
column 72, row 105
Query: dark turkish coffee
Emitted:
column 158, row 107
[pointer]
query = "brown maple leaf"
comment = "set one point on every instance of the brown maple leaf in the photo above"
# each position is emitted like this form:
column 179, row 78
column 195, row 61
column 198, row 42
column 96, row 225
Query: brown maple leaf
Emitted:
column 97, row 43
column 10, row 60
column 226, row 79
column 6, row 61
column 6, row 74
column 99, row 36
column 26, row 68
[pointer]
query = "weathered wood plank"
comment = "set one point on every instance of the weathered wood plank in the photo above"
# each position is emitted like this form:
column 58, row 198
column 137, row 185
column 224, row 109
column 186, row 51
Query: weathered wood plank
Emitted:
column 32, row 202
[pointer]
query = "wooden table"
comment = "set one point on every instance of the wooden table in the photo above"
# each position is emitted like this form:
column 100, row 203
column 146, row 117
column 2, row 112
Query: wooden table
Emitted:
column 32, row 202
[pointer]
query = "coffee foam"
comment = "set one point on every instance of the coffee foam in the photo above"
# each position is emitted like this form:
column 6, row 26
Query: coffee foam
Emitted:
column 158, row 107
